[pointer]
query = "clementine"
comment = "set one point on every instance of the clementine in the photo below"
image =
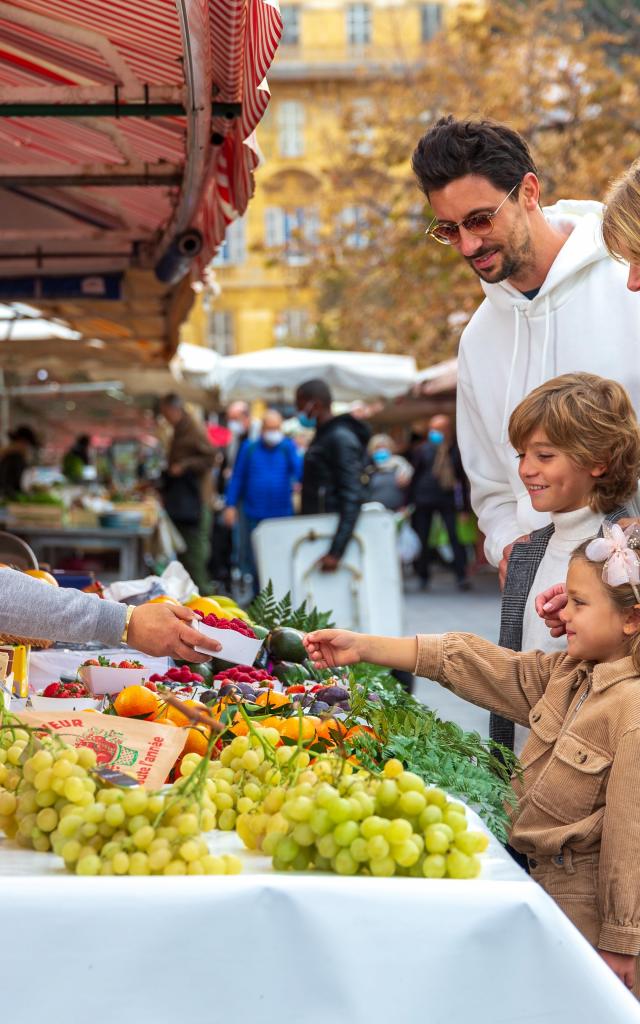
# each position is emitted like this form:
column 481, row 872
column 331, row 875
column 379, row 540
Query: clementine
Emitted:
column 135, row 702
column 176, row 715
column 197, row 741
column 294, row 728
column 272, row 699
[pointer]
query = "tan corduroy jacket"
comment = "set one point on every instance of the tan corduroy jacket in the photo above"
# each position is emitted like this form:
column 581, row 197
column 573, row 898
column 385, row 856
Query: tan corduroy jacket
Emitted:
column 580, row 786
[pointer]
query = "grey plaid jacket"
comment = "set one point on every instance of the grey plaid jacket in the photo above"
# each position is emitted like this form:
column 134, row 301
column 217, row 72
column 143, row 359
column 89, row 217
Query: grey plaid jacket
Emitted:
column 521, row 572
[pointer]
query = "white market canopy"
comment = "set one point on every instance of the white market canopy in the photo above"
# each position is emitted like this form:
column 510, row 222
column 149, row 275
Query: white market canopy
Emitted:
column 275, row 373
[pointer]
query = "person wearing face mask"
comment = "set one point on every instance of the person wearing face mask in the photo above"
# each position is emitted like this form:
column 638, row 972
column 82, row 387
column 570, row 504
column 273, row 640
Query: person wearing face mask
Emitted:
column 439, row 485
column 333, row 476
column 389, row 474
column 263, row 478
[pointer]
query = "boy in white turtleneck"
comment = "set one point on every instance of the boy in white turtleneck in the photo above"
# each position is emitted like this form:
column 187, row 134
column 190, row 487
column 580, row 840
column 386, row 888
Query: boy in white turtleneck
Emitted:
column 578, row 448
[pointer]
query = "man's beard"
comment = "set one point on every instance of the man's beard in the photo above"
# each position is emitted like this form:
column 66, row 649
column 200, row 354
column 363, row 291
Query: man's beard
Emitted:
column 516, row 259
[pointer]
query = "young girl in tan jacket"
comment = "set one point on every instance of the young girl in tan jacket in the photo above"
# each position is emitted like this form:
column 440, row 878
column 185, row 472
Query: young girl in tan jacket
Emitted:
column 578, row 813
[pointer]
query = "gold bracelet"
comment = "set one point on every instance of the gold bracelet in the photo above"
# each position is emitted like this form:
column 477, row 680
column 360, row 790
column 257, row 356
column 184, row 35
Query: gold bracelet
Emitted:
column 125, row 632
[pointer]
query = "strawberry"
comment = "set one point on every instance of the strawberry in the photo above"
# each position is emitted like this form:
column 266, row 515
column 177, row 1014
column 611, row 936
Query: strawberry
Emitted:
column 52, row 690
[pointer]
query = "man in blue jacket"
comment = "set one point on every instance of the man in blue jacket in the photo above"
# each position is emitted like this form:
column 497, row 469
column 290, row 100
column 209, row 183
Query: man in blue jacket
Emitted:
column 263, row 477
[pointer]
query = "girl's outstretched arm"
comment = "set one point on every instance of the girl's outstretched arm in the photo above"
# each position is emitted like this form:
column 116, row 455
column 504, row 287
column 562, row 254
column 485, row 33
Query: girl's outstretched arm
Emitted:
column 328, row 648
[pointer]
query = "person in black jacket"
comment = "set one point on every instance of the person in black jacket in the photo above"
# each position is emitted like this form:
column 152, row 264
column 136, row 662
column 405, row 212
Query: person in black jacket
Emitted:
column 439, row 485
column 332, row 476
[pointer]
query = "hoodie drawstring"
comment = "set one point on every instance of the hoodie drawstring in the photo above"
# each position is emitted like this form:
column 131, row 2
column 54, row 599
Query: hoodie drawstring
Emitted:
column 547, row 335
column 516, row 345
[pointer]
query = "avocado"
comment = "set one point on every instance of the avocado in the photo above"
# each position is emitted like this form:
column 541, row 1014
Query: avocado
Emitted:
column 285, row 644
column 289, row 673
column 261, row 632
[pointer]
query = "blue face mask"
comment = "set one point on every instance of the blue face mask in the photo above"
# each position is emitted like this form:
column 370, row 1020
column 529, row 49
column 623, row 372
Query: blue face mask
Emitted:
column 436, row 436
column 381, row 456
column 308, row 422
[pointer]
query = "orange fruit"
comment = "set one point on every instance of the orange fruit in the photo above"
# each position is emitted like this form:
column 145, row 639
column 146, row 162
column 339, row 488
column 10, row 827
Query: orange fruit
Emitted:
column 272, row 722
column 163, row 599
column 135, row 701
column 176, row 716
column 272, row 699
column 329, row 727
column 292, row 728
column 197, row 741
column 355, row 729
column 41, row 574
column 239, row 727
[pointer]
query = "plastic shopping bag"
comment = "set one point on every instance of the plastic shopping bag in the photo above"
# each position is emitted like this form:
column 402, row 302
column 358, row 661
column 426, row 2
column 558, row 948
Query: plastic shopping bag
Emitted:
column 408, row 543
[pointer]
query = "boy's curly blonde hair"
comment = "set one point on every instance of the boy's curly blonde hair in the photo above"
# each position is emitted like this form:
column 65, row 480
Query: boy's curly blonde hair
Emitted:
column 590, row 419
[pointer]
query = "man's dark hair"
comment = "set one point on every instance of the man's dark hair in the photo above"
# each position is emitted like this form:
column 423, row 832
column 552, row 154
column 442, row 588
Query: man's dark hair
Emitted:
column 451, row 149
column 24, row 433
column 315, row 390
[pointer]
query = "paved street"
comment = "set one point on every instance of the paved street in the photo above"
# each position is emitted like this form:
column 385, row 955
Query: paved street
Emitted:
column 443, row 608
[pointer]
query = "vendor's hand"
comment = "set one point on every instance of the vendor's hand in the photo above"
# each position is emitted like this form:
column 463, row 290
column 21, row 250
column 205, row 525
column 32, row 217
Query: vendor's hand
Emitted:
column 548, row 606
column 506, row 555
column 330, row 647
column 329, row 563
column 230, row 516
column 176, row 469
column 165, row 630
column 622, row 964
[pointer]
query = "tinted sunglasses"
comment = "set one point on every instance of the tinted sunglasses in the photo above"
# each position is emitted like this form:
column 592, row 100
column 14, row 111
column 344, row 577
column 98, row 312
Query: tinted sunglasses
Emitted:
column 480, row 224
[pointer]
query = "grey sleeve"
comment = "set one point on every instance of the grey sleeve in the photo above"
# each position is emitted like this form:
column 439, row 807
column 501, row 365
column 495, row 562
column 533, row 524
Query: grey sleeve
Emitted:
column 31, row 608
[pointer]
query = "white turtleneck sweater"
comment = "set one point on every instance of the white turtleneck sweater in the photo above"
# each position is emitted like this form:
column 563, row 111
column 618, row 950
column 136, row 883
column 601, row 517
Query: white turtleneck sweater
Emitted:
column 571, row 529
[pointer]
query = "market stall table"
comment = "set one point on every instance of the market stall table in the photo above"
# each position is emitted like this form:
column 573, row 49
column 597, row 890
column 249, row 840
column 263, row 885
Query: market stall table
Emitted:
column 126, row 541
column 263, row 947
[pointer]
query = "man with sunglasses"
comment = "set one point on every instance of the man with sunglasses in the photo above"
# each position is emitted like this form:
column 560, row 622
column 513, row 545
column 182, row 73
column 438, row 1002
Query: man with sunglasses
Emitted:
column 555, row 302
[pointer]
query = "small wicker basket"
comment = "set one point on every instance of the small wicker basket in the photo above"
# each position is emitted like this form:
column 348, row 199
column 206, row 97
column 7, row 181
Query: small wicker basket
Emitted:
column 7, row 639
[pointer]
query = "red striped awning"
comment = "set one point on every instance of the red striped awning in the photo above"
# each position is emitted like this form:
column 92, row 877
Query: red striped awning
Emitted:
column 176, row 170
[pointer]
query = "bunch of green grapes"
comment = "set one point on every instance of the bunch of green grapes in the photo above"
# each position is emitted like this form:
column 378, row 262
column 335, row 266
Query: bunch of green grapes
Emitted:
column 49, row 799
column 334, row 818
column 247, row 769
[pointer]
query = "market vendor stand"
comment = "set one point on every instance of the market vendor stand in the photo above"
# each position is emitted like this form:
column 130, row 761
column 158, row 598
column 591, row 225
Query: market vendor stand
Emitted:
column 126, row 541
column 263, row 947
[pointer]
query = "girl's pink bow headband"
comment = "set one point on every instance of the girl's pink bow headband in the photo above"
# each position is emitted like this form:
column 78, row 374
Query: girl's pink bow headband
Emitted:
column 618, row 549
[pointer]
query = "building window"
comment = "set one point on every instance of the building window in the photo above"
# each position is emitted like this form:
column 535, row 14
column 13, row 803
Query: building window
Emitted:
column 221, row 332
column 233, row 250
column 358, row 24
column 294, row 231
column 291, row 128
column 290, row 25
column 355, row 227
column 430, row 20
column 292, row 327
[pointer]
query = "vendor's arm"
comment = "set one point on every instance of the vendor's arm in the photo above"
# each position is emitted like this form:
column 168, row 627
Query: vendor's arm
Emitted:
column 492, row 677
column 619, row 867
column 29, row 607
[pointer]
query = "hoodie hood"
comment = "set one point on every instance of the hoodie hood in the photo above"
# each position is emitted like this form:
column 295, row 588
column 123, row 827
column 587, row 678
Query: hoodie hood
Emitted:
column 581, row 222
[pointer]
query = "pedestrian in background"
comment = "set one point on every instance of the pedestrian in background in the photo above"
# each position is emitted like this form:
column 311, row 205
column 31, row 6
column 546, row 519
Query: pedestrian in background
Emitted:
column 333, row 475
column 389, row 474
column 187, row 487
column 263, row 479
column 439, row 486
column 15, row 458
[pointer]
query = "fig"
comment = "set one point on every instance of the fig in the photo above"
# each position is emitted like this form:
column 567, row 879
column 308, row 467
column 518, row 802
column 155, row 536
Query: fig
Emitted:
column 332, row 694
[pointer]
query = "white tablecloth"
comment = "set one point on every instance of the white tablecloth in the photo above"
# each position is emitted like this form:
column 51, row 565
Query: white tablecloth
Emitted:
column 267, row 948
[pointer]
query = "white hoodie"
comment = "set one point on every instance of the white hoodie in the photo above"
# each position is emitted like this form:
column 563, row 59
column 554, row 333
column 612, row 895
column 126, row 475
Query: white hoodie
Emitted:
column 583, row 319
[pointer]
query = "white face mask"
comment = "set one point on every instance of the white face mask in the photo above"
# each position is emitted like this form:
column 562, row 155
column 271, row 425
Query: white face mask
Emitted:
column 272, row 437
column 236, row 427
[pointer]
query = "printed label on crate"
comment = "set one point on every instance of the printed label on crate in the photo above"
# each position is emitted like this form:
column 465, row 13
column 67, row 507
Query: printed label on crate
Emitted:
column 144, row 750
